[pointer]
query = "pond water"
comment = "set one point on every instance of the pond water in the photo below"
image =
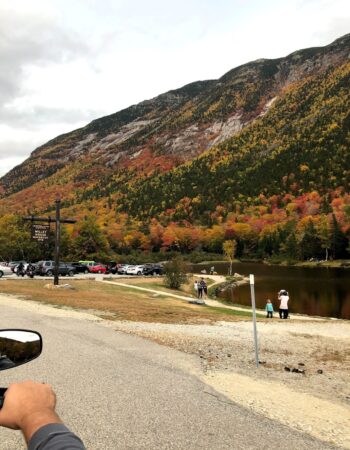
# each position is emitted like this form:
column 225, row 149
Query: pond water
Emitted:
column 315, row 291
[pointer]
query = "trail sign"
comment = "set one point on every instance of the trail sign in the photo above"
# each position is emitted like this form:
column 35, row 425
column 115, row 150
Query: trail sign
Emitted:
column 40, row 232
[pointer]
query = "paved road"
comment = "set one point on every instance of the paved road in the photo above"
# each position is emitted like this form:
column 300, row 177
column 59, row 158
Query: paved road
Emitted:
column 122, row 392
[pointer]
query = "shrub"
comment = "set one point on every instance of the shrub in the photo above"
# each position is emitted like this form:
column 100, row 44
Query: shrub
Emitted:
column 175, row 273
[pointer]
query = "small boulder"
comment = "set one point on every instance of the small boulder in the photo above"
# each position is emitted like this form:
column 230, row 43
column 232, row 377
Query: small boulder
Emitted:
column 52, row 286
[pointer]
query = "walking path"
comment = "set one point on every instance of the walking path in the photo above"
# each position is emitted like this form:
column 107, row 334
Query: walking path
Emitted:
column 217, row 280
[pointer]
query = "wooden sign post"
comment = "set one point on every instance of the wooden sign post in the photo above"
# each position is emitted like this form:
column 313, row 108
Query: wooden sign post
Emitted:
column 41, row 233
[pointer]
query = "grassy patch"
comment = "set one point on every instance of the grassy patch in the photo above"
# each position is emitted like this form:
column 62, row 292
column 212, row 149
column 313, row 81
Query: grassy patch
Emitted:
column 234, row 312
column 158, row 284
column 119, row 303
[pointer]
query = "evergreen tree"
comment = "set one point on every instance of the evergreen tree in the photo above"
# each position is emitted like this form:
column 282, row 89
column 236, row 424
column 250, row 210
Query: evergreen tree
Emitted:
column 310, row 244
column 90, row 241
column 291, row 246
column 338, row 240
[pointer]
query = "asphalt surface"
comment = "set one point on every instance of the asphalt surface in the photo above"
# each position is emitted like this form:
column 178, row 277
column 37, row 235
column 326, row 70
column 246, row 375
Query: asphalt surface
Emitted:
column 122, row 392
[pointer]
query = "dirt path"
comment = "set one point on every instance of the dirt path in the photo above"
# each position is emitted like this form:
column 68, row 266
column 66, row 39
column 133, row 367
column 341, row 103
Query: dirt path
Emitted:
column 218, row 279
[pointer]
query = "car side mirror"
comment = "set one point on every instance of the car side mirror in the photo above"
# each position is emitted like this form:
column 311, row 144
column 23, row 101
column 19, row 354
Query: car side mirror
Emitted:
column 18, row 347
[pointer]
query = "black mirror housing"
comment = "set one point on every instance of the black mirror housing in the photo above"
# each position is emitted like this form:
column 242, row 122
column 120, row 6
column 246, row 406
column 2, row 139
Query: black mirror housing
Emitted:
column 19, row 347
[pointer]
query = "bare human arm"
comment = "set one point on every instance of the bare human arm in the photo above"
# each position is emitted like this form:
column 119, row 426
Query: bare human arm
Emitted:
column 30, row 407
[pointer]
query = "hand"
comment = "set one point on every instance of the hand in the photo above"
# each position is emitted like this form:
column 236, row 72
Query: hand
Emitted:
column 28, row 406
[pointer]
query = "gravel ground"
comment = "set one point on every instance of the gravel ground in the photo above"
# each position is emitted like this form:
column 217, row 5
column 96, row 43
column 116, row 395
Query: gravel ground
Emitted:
column 316, row 399
column 122, row 392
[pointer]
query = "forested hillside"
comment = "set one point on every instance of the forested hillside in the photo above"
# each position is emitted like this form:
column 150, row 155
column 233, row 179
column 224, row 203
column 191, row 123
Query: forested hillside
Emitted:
column 301, row 145
column 260, row 156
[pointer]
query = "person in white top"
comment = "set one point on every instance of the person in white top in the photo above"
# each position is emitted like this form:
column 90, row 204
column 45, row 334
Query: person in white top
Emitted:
column 283, row 297
column 195, row 287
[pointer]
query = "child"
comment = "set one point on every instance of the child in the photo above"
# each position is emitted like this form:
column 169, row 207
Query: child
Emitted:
column 269, row 309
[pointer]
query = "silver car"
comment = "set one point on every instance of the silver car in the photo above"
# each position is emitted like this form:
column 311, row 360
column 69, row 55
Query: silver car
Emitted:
column 5, row 270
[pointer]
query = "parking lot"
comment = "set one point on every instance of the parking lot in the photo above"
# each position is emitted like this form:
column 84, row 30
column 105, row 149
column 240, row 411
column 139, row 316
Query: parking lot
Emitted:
column 81, row 269
column 78, row 276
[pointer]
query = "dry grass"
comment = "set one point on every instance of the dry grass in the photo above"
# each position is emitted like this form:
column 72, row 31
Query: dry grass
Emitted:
column 158, row 283
column 118, row 303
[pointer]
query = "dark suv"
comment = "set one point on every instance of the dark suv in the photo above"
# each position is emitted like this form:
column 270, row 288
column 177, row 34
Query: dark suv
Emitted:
column 48, row 268
column 79, row 267
column 152, row 269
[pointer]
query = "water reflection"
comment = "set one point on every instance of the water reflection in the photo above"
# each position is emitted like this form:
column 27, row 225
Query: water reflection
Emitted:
column 315, row 291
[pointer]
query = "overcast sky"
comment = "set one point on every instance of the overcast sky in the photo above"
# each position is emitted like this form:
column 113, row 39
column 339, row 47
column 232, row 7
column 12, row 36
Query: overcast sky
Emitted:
column 65, row 63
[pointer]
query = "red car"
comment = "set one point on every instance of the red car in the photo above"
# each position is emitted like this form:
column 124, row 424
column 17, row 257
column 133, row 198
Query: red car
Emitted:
column 97, row 268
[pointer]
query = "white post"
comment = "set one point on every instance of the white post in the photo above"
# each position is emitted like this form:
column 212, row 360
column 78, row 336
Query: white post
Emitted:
column 252, row 294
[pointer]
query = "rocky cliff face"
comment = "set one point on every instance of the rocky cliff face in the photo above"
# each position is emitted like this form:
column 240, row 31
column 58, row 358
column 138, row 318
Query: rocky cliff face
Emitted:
column 175, row 127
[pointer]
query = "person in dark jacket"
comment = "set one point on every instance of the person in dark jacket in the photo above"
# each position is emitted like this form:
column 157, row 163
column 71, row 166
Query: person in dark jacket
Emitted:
column 204, row 287
column 30, row 407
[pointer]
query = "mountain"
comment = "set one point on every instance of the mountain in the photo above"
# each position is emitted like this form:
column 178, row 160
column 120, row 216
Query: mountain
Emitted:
column 173, row 128
column 301, row 145
column 262, row 152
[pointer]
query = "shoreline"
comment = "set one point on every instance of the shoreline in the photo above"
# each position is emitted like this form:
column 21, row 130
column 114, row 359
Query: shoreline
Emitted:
column 337, row 264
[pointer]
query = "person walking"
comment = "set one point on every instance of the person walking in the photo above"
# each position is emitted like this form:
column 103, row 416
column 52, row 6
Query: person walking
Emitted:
column 269, row 309
column 283, row 297
column 204, row 287
column 200, row 290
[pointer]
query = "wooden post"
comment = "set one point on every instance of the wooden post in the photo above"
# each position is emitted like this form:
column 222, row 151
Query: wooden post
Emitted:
column 58, row 222
column 57, row 243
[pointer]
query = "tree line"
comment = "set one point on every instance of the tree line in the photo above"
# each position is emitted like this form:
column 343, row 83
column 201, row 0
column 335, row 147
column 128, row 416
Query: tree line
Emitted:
column 292, row 228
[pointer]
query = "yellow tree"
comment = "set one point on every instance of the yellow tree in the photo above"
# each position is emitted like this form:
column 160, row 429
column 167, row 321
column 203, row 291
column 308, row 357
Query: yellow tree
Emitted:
column 229, row 248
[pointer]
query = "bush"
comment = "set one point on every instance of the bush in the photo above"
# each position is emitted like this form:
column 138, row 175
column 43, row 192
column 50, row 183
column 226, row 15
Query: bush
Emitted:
column 175, row 273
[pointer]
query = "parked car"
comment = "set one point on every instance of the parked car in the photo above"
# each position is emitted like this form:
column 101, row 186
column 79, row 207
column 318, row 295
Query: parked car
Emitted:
column 88, row 263
column 123, row 268
column 152, row 269
column 112, row 267
column 48, row 268
column 79, row 267
column 5, row 270
column 134, row 270
column 97, row 268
